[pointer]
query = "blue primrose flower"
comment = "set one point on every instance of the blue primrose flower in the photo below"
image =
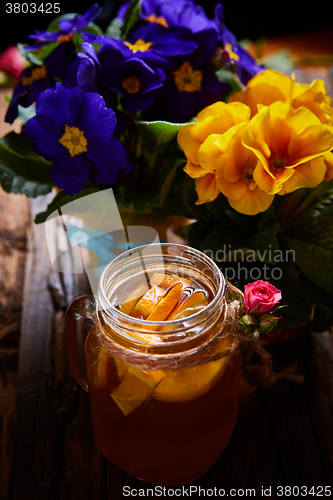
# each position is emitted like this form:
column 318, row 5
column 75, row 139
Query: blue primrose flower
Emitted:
column 75, row 130
column 68, row 27
column 233, row 54
column 152, row 43
column 168, row 13
column 131, row 77
column 36, row 79
column 191, row 83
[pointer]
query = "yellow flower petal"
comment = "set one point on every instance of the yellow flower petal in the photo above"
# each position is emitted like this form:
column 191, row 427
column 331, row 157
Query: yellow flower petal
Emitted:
column 313, row 96
column 255, row 137
column 274, row 79
column 261, row 94
column 194, row 171
column 226, row 114
column 312, row 142
column 252, row 202
column 209, row 153
column 206, row 189
column 269, row 184
column 328, row 159
column 189, row 143
column 233, row 191
column 265, row 88
column 308, row 174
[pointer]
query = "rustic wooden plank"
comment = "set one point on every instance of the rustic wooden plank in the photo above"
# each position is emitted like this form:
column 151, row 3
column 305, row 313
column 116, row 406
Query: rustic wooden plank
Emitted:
column 320, row 393
column 52, row 426
column 35, row 427
column 13, row 223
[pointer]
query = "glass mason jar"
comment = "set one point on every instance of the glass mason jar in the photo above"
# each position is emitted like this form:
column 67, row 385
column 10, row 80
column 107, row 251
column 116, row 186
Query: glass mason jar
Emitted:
column 164, row 398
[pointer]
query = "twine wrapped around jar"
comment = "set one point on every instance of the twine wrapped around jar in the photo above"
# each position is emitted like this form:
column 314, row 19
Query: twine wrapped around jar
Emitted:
column 258, row 369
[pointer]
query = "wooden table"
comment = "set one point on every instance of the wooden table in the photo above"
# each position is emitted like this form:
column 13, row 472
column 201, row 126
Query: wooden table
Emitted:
column 284, row 434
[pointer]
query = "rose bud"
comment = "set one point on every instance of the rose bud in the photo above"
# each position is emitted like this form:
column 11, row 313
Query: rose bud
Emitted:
column 267, row 323
column 12, row 62
column 247, row 321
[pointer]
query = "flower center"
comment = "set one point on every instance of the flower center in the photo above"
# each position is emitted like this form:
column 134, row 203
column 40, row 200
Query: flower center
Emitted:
column 230, row 52
column 74, row 140
column 139, row 46
column 159, row 20
column 65, row 38
column 278, row 164
column 187, row 79
column 36, row 74
column 132, row 84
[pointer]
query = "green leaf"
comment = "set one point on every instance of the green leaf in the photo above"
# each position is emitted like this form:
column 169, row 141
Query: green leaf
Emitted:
column 162, row 131
column 279, row 61
column 20, row 144
column 311, row 238
column 91, row 28
column 36, row 57
column 298, row 309
column 131, row 17
column 60, row 200
column 167, row 184
column 22, row 170
column 323, row 202
column 315, row 261
column 115, row 28
column 54, row 24
column 227, row 77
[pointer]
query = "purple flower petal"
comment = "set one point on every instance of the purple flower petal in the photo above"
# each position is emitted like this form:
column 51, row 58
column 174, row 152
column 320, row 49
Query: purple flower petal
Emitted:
column 97, row 121
column 70, row 174
column 80, row 21
column 44, row 135
column 137, row 102
column 86, row 74
column 108, row 161
column 165, row 42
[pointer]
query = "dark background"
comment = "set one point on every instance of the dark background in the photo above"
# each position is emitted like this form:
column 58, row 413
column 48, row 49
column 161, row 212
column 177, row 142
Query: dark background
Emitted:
column 249, row 19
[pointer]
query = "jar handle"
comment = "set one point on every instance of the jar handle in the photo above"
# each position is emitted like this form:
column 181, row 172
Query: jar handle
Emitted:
column 78, row 321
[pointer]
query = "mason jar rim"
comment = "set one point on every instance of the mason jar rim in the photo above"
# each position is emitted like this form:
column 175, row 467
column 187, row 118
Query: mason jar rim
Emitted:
column 177, row 322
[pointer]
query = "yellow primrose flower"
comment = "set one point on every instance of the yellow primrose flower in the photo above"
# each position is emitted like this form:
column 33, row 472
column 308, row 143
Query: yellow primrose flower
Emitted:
column 290, row 145
column 328, row 159
column 234, row 165
column 270, row 86
column 313, row 96
column 266, row 87
column 215, row 119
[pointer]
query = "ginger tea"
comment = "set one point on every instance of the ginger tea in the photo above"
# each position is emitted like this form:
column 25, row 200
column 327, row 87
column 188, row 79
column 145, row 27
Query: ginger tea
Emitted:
column 165, row 423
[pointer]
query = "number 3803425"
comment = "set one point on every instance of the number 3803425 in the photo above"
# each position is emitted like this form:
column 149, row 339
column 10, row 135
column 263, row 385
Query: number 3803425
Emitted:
column 32, row 8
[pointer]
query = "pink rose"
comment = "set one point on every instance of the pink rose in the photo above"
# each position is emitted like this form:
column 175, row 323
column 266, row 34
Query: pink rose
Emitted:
column 12, row 62
column 262, row 295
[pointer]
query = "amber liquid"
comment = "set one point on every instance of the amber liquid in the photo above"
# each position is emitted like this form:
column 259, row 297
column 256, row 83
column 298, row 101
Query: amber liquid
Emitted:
column 162, row 442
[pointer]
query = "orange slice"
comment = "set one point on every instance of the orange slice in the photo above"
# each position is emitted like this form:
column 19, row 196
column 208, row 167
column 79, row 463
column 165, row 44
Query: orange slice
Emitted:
column 121, row 366
column 189, row 383
column 131, row 301
column 190, row 305
column 101, row 376
column 167, row 280
column 162, row 310
column 135, row 387
column 149, row 300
